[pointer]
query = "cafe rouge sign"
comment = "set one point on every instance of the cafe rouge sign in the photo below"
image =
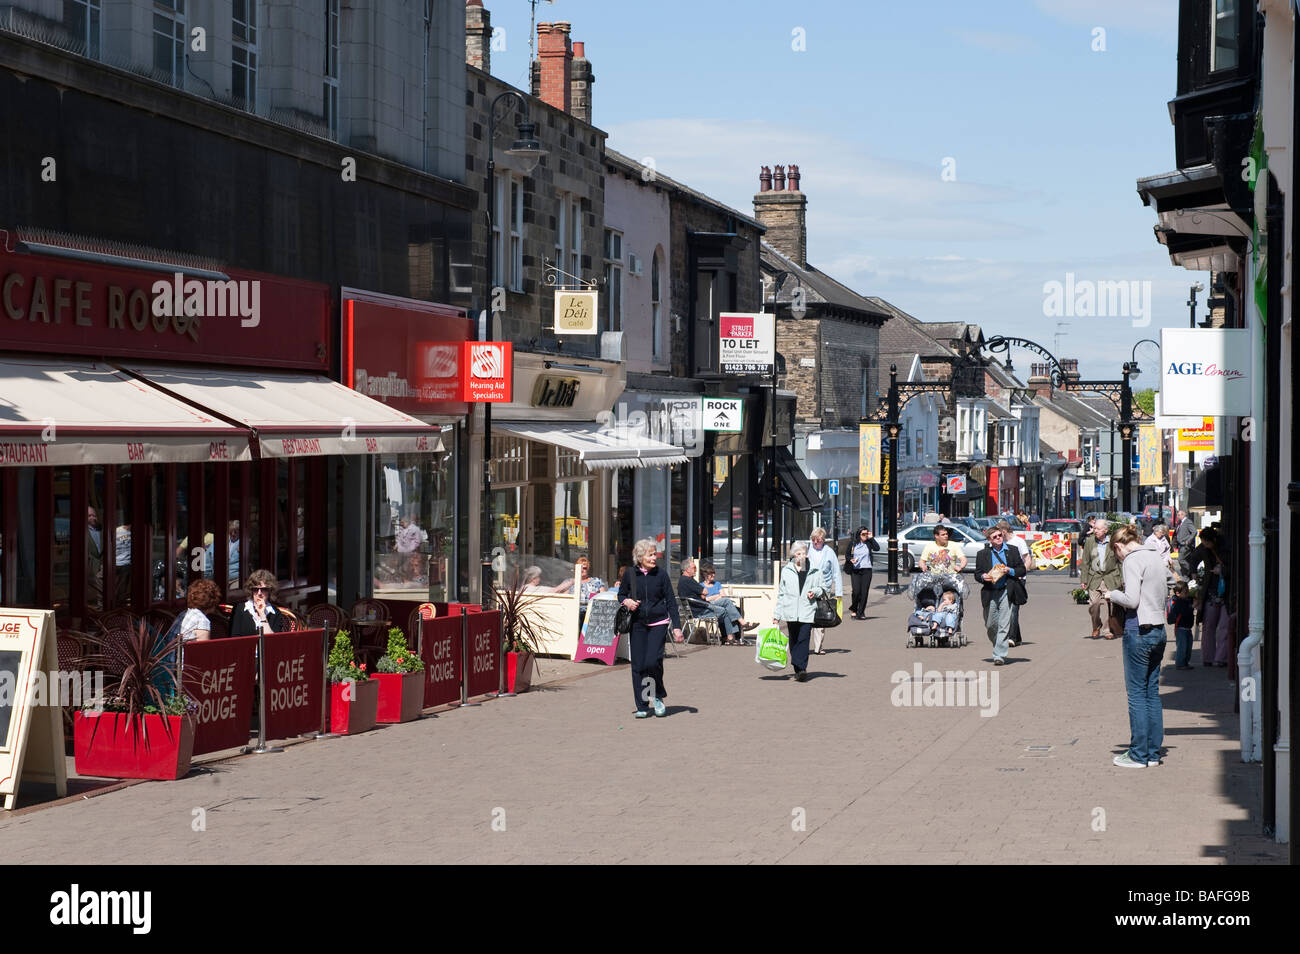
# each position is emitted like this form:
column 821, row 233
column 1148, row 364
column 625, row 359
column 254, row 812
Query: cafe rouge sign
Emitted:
column 70, row 307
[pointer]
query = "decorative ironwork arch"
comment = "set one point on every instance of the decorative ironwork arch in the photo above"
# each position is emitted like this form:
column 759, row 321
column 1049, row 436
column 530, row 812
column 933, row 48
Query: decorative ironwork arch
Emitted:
column 1000, row 343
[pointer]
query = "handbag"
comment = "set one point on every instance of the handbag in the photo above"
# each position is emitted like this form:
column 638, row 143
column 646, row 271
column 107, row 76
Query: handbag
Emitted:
column 825, row 615
column 623, row 618
column 1017, row 592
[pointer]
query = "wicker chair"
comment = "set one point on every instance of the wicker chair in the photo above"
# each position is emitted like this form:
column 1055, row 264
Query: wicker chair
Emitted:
column 294, row 620
column 423, row 611
column 322, row 614
column 370, row 638
column 121, row 618
column 159, row 620
column 73, row 647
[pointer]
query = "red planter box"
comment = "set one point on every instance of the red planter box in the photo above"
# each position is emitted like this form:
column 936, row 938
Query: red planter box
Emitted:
column 401, row 696
column 112, row 746
column 519, row 672
column 351, row 716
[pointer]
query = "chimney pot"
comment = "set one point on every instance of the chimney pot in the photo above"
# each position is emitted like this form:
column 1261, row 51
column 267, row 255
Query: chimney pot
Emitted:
column 765, row 179
column 780, row 178
column 794, row 178
column 579, row 50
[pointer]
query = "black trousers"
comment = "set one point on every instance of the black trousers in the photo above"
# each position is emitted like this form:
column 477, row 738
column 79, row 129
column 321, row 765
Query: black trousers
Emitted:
column 1013, row 634
column 800, row 635
column 646, row 647
column 861, row 589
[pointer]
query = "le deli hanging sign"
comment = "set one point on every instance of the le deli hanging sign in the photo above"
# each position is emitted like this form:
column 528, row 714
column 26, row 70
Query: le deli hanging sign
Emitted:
column 575, row 313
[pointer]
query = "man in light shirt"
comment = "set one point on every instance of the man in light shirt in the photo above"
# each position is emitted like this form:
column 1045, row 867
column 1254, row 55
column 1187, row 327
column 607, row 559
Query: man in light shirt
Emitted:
column 1027, row 558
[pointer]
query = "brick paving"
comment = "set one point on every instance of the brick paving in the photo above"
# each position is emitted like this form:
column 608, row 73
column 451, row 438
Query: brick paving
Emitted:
column 748, row 767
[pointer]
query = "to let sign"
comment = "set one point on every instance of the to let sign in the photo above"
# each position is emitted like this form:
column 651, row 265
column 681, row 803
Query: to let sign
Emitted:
column 575, row 313
column 747, row 343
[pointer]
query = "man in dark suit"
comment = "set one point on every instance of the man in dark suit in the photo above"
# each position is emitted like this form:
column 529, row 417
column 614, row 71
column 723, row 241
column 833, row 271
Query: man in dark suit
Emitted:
column 995, row 566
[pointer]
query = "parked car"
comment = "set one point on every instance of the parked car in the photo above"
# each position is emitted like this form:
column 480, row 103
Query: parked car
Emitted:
column 912, row 541
column 1061, row 525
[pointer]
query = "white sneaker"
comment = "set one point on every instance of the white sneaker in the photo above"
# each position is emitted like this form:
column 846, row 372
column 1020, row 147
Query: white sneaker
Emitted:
column 1153, row 764
column 1123, row 761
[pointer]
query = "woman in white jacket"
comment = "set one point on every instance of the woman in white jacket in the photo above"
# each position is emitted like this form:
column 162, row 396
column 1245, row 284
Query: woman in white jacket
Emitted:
column 823, row 558
column 796, row 604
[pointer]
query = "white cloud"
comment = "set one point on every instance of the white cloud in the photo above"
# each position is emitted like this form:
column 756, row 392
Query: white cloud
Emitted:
column 1147, row 16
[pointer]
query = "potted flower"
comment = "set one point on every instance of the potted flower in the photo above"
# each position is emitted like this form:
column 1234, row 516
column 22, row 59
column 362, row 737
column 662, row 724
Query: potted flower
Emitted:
column 522, row 629
column 354, row 696
column 143, row 725
column 400, row 678
column 1079, row 595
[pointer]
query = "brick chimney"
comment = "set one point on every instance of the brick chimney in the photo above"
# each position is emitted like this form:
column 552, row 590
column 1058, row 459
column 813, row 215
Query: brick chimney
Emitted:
column 1070, row 369
column 552, row 73
column 580, row 80
column 783, row 210
column 478, row 36
column 1040, row 379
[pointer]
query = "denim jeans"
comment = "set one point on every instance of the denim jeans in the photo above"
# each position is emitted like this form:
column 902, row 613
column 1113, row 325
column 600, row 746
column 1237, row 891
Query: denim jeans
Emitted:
column 1143, row 654
column 945, row 620
column 727, row 614
column 1182, row 646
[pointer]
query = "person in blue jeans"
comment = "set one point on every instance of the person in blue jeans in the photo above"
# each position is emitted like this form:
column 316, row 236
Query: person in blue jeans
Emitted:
column 1182, row 616
column 1146, row 581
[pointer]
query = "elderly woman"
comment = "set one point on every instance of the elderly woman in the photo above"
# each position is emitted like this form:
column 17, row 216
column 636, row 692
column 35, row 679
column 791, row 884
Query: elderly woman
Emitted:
column 646, row 590
column 258, row 613
column 796, row 605
column 1143, row 598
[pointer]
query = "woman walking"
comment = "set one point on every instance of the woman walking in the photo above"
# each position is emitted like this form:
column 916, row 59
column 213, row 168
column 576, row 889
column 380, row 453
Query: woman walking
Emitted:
column 1143, row 599
column 858, row 564
column 646, row 590
column 824, row 559
column 796, row 605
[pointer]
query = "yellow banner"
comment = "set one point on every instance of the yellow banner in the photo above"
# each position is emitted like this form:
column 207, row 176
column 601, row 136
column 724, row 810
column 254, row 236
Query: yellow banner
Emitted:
column 868, row 453
column 1150, row 456
column 1197, row 438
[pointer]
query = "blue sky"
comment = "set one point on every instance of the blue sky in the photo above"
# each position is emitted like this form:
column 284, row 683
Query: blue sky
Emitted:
column 1047, row 137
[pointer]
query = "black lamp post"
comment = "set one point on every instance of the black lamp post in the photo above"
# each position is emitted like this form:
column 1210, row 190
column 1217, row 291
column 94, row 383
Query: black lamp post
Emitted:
column 529, row 151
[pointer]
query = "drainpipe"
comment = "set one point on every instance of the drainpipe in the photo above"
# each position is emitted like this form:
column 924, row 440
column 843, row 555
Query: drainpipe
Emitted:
column 1248, row 658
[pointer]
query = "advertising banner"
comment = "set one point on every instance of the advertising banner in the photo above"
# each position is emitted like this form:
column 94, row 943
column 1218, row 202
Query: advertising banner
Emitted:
column 484, row 674
column 488, row 372
column 1205, row 371
column 1150, row 455
column 868, row 453
column 440, row 650
column 219, row 677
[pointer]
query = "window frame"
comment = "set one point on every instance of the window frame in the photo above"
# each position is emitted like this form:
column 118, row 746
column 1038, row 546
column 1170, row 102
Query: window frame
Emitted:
column 91, row 33
column 174, row 14
column 330, row 83
column 612, row 253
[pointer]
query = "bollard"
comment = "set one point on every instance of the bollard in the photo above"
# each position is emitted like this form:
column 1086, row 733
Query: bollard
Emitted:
column 464, row 660
column 1074, row 556
column 501, row 659
column 262, row 748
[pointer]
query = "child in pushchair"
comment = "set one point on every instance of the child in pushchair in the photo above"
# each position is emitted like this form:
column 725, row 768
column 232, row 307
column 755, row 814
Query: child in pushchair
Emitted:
column 938, row 600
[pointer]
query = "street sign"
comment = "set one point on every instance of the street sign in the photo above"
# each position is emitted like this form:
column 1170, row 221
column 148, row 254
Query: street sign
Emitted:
column 747, row 343
column 954, row 484
column 722, row 414
column 833, row 488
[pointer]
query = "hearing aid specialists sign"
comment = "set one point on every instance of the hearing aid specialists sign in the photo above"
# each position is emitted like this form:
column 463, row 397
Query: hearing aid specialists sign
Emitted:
column 1205, row 372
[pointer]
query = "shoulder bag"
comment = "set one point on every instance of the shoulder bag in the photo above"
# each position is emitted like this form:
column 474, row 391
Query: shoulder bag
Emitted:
column 825, row 616
column 623, row 618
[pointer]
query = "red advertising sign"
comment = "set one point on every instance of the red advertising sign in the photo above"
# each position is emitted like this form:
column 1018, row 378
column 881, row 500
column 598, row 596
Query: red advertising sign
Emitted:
column 66, row 306
column 440, row 650
column 295, row 682
column 484, row 653
column 219, row 677
column 489, row 371
column 404, row 353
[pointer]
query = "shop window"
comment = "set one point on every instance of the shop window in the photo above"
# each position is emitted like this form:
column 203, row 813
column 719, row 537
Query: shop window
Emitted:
column 571, row 520
column 509, row 463
column 120, row 519
column 252, row 532
column 64, row 527
column 299, row 560
column 414, row 532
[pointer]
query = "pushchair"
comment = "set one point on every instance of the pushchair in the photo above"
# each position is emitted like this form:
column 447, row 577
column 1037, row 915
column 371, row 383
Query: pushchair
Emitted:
column 927, row 590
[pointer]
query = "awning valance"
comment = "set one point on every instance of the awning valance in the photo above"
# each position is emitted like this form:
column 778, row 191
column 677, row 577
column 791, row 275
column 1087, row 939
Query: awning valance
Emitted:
column 796, row 489
column 296, row 415
column 85, row 412
column 599, row 446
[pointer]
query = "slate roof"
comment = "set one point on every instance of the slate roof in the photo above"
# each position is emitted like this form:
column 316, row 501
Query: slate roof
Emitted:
column 819, row 288
column 631, row 165
column 903, row 334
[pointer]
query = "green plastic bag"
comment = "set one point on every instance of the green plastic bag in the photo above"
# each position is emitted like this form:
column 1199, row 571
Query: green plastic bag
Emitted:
column 772, row 649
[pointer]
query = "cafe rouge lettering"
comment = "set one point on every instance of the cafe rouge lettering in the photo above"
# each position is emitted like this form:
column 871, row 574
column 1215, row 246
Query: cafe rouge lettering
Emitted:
column 555, row 392
column 33, row 298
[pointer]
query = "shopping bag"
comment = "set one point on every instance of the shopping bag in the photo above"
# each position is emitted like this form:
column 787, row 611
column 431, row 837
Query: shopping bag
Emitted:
column 772, row 648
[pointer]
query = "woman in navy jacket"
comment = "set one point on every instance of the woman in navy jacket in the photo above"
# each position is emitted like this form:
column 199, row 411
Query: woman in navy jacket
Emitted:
column 646, row 590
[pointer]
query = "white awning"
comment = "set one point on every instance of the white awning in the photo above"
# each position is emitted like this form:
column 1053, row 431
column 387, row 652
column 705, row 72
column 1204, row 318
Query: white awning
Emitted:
column 69, row 412
column 598, row 446
column 297, row 415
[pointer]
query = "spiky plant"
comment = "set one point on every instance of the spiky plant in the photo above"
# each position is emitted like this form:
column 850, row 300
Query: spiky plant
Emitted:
column 140, row 676
column 523, row 626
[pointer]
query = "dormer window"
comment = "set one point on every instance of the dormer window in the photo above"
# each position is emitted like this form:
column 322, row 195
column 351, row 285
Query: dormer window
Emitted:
column 1225, row 32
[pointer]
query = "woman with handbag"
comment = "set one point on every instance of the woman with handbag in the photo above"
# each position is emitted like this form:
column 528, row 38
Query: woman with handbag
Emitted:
column 646, row 592
column 796, row 605
column 858, row 563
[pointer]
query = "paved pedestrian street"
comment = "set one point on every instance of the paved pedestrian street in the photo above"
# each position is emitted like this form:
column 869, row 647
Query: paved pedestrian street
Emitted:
column 747, row 767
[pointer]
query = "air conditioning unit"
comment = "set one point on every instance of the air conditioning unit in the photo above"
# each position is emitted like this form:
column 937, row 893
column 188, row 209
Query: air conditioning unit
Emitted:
column 633, row 265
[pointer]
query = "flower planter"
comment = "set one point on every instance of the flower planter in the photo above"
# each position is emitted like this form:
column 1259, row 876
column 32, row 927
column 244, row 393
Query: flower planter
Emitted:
column 401, row 696
column 110, row 745
column 519, row 672
column 357, row 714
